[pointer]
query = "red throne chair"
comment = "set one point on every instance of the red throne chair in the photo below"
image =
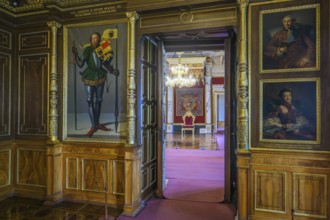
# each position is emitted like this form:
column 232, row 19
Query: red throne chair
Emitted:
column 188, row 123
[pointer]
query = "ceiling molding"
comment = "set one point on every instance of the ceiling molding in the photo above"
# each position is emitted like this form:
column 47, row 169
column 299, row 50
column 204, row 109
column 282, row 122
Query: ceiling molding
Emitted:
column 147, row 5
column 28, row 7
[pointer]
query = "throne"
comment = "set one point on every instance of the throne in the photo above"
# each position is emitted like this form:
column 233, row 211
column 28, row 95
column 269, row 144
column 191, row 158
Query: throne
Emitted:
column 188, row 123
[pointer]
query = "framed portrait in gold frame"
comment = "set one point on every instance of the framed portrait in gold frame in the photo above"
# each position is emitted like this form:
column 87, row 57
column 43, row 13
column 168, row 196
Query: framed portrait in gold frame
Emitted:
column 289, row 111
column 289, row 38
column 95, row 81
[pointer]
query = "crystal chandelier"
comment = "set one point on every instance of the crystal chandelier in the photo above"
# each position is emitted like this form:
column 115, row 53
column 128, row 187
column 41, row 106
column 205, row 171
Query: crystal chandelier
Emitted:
column 179, row 76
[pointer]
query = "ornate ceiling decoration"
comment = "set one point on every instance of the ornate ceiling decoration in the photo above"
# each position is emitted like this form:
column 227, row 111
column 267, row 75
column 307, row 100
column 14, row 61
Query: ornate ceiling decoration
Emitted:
column 19, row 6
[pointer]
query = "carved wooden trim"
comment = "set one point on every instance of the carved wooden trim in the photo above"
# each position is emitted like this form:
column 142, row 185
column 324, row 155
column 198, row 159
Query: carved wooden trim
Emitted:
column 33, row 87
column 5, row 93
column 144, row 180
column 5, row 39
column 34, row 40
column 131, row 76
column 53, row 84
column 221, row 16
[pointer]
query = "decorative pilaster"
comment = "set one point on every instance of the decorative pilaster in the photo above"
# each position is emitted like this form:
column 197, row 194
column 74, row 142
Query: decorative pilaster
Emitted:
column 242, row 96
column 242, row 153
column 131, row 87
column 53, row 84
column 133, row 203
column 54, row 149
column 208, row 109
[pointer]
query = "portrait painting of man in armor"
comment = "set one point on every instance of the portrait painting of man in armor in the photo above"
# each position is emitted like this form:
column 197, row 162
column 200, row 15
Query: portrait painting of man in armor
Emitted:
column 290, row 110
column 96, row 81
column 290, row 39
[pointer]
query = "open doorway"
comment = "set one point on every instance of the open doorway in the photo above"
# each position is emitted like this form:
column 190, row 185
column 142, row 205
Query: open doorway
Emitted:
column 152, row 72
column 194, row 161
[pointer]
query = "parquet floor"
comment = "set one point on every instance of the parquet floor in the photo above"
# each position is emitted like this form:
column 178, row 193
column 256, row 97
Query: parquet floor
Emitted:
column 197, row 141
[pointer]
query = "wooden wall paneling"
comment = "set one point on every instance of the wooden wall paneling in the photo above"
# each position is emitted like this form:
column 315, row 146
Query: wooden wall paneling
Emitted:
column 153, row 174
column 244, row 181
column 286, row 186
column 34, row 40
column 310, row 194
column 5, row 39
column 5, row 93
column 138, row 5
column 7, row 149
column 89, row 171
column 190, row 19
column 31, row 167
column 55, row 168
column 71, row 173
column 148, row 109
column 270, row 191
column 57, row 171
column 144, row 180
column 133, row 170
column 95, row 175
column 118, row 178
column 33, row 94
column 5, row 168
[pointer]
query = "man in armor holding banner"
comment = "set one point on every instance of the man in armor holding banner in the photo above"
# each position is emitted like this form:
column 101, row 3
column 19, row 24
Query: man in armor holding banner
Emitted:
column 96, row 55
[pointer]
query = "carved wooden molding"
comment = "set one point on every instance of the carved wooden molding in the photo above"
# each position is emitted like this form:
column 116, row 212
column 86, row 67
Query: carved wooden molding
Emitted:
column 221, row 16
column 33, row 87
column 5, row 39
column 5, row 93
column 34, row 40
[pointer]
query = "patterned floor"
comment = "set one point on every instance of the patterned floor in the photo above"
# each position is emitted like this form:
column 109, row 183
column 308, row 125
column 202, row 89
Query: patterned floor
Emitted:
column 31, row 209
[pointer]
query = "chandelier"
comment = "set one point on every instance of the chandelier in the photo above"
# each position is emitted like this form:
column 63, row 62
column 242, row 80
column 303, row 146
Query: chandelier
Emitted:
column 180, row 76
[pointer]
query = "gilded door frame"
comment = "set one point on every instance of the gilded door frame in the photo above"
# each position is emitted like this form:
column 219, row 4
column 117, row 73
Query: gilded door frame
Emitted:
column 161, row 23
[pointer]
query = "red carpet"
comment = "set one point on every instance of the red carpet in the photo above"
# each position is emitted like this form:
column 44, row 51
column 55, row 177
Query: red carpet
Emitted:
column 162, row 209
column 195, row 164
column 195, row 175
column 196, row 190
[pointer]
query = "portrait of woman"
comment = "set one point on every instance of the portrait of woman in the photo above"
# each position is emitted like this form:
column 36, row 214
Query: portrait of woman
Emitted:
column 290, row 111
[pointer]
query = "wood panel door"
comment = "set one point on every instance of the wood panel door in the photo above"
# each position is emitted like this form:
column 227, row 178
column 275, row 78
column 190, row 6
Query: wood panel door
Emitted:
column 147, row 104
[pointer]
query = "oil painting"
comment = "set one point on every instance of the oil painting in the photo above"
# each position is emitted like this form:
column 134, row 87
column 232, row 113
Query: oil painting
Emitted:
column 95, row 81
column 290, row 39
column 290, row 110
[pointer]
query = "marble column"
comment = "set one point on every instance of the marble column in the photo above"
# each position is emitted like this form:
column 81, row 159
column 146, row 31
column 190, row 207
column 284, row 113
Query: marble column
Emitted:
column 170, row 106
column 208, row 106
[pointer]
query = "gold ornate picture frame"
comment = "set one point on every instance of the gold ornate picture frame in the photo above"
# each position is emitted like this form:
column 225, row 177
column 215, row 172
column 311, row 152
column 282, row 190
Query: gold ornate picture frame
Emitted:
column 78, row 101
column 290, row 111
column 289, row 38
